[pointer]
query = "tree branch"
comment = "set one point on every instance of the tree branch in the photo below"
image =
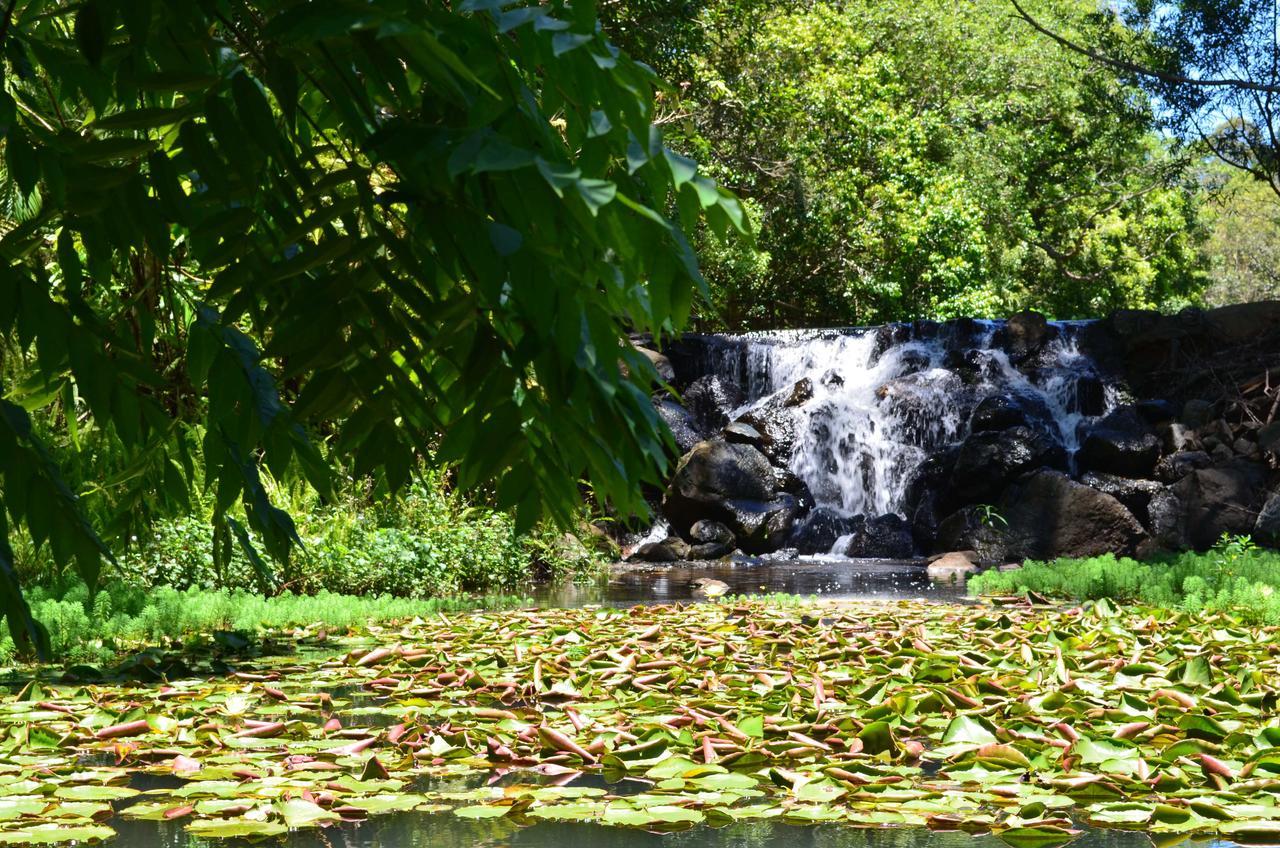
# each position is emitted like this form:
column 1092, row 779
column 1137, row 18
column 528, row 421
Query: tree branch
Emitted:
column 1134, row 68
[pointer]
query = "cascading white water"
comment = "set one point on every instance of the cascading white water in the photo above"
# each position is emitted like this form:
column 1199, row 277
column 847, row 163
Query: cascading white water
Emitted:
column 872, row 422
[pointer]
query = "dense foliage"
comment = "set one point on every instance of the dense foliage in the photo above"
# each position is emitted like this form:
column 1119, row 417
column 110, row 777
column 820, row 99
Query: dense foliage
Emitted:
column 1235, row 577
column 398, row 226
column 919, row 159
column 1243, row 218
column 428, row 542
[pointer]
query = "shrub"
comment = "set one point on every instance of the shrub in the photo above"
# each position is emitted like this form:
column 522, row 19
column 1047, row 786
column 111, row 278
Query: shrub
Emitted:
column 1234, row 576
column 427, row 542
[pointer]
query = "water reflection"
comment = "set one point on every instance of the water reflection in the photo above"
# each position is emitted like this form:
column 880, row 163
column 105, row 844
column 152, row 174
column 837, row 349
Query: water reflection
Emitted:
column 835, row 578
column 414, row 830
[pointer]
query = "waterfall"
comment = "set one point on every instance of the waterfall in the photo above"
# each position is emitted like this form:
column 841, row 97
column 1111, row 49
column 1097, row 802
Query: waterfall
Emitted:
column 883, row 401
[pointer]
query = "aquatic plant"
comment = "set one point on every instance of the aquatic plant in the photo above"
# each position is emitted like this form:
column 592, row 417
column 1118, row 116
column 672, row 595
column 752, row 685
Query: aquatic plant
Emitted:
column 1014, row 720
column 1235, row 576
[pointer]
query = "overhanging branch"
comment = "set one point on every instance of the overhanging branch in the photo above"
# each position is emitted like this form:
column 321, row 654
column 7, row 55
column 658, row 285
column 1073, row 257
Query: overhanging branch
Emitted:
column 1134, row 68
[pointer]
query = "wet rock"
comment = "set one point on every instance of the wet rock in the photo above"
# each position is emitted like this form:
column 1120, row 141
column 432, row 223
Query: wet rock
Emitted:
column 733, row 484
column 705, row 532
column 777, row 428
column 670, row 549
column 1002, row 411
column 742, row 433
column 715, row 470
column 1133, row 322
column 762, row 526
column 887, row 336
column 1175, row 466
column 801, row 393
column 1220, row 499
column 882, row 537
column 1121, row 443
column 954, row 566
column 975, row 529
column 1136, row 495
column 912, row 362
column 1166, row 521
column 1025, row 333
column 710, row 540
column 1050, row 515
column 684, row 427
column 708, row 398
column 988, row 461
column 818, row 531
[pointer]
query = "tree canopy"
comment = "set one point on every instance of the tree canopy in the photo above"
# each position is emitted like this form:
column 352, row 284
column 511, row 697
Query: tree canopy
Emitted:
column 916, row 159
column 259, row 237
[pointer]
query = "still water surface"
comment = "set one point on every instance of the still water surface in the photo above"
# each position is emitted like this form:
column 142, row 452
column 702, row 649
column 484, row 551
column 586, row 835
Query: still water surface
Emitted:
column 825, row 578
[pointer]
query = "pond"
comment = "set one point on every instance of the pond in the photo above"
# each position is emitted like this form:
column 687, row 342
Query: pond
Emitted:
column 827, row 578
column 865, row 723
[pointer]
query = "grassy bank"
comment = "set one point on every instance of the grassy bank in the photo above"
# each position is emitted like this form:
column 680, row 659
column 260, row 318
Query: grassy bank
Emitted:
column 1235, row 576
column 121, row 618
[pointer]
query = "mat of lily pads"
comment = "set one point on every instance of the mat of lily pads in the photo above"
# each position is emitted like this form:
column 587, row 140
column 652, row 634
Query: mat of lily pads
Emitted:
column 1016, row 720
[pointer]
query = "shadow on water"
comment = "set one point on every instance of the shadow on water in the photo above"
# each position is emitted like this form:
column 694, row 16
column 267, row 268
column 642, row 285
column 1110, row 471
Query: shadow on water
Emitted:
column 417, row 830
column 832, row 578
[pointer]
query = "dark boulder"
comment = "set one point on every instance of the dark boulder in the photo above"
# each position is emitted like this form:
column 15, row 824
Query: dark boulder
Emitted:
column 1050, row 515
column 1025, row 333
column 882, row 537
column 1121, row 443
column 818, row 531
column 1221, row 499
column 801, row 393
column 1175, row 466
column 888, row 336
column 762, row 526
column 1269, row 437
column 1166, row 521
column 1266, row 528
column 735, row 485
column 988, row 461
column 777, row 428
column 711, row 473
column 1156, row 410
column 1002, row 411
column 709, row 400
column 684, row 427
column 974, row 529
column 1136, row 495
column 1088, row 395
column 710, row 540
column 710, row 531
